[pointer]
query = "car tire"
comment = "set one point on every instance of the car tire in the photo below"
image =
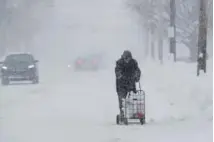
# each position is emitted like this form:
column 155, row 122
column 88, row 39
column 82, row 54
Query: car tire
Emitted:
column 5, row 81
column 35, row 80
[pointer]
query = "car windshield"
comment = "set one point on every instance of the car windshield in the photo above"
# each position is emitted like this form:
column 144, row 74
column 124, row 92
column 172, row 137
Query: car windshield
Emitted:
column 19, row 58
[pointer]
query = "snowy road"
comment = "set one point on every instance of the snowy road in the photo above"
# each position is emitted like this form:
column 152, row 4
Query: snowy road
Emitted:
column 81, row 106
column 74, row 109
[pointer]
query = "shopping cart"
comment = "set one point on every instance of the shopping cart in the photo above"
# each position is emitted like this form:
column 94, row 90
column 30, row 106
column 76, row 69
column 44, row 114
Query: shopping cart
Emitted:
column 134, row 107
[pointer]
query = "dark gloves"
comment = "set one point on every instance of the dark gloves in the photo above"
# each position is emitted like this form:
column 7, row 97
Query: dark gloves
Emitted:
column 132, row 88
column 137, row 77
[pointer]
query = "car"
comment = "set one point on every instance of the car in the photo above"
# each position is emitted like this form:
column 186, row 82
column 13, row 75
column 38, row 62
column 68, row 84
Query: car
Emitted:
column 19, row 67
column 91, row 62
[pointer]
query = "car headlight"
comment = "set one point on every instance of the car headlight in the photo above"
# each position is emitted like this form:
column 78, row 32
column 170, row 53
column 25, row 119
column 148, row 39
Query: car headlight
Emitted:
column 4, row 67
column 31, row 66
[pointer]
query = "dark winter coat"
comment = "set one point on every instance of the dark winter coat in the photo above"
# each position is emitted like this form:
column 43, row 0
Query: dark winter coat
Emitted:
column 127, row 74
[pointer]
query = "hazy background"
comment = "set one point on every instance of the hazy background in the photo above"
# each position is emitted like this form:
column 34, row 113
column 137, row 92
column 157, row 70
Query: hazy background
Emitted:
column 58, row 31
column 68, row 106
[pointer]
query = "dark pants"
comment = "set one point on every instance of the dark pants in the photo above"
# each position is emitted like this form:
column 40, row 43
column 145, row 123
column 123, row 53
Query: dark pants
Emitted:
column 121, row 95
column 123, row 88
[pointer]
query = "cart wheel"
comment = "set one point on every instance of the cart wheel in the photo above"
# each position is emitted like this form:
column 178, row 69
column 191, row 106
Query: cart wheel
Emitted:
column 125, row 120
column 142, row 121
column 118, row 119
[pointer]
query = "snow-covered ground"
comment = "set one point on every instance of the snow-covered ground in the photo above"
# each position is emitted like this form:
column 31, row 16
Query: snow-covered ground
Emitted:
column 81, row 106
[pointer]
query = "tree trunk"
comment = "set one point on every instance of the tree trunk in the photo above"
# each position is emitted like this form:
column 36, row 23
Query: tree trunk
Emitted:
column 147, row 44
column 152, row 50
column 152, row 44
column 160, row 49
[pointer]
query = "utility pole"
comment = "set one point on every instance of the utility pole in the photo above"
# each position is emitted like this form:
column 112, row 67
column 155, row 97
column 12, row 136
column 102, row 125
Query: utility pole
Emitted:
column 172, row 29
column 3, row 15
column 202, row 38
column 160, row 32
